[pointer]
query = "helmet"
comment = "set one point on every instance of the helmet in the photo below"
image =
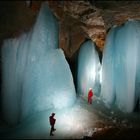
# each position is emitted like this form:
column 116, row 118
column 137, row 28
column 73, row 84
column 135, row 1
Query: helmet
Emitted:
column 90, row 88
column 53, row 114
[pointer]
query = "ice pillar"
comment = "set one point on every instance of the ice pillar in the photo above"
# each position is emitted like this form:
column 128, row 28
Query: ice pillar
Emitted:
column 88, row 69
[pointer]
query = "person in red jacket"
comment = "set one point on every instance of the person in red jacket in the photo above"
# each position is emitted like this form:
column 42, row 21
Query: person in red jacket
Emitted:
column 90, row 94
column 52, row 123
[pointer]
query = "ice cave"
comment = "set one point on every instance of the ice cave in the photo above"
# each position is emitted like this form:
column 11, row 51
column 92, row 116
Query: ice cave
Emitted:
column 49, row 68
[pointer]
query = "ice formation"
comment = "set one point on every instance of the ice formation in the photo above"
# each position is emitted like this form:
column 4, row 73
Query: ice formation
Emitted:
column 107, row 86
column 120, row 68
column 35, row 73
column 88, row 69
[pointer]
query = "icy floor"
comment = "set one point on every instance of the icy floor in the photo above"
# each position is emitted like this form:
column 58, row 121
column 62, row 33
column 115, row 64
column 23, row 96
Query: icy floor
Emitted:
column 76, row 122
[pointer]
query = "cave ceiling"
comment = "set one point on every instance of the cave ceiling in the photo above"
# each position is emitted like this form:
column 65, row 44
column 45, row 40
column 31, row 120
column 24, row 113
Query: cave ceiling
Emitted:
column 78, row 20
column 95, row 18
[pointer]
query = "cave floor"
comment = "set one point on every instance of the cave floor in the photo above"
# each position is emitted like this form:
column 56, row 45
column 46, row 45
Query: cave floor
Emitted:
column 81, row 121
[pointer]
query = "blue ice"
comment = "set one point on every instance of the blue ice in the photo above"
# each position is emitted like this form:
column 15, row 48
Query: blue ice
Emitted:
column 120, row 71
column 48, row 83
column 35, row 73
column 89, row 67
column 108, row 73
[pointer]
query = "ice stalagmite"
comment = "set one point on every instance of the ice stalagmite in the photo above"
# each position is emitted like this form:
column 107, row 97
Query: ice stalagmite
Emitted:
column 48, row 84
column 108, row 83
column 124, row 70
column 35, row 73
column 88, row 69
column 127, row 43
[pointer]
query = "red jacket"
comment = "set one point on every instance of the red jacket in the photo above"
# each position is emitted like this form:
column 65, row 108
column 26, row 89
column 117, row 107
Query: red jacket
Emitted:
column 90, row 94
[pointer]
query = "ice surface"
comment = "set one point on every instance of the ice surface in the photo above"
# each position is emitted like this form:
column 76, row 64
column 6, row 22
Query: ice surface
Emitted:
column 35, row 74
column 9, row 95
column 48, row 83
column 121, row 79
column 44, row 32
column 88, row 69
column 107, row 86
column 71, row 123
column 75, row 122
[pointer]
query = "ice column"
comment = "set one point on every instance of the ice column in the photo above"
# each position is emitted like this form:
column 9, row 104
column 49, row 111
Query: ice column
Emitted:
column 120, row 69
column 88, row 69
column 35, row 73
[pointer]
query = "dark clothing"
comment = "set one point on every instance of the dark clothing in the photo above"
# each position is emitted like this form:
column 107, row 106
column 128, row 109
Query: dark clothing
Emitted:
column 90, row 94
column 52, row 129
column 52, row 120
column 52, row 123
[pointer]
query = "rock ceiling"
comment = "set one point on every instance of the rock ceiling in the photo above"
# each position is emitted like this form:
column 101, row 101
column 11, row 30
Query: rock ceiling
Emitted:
column 94, row 18
column 78, row 20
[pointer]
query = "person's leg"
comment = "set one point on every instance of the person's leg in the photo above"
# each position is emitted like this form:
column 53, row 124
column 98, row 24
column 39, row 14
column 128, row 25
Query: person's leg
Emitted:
column 51, row 134
column 53, row 128
column 88, row 100
column 91, row 101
